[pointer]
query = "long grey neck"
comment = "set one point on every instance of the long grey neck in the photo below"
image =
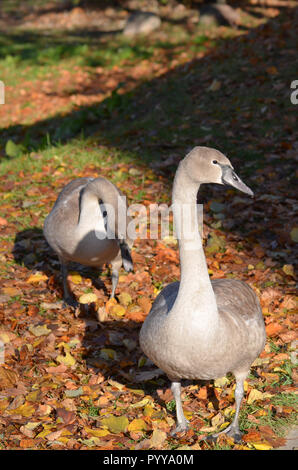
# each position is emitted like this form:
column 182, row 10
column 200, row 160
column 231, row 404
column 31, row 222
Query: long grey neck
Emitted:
column 195, row 288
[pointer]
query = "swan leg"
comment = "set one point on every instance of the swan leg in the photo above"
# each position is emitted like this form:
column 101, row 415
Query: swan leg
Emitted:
column 115, row 278
column 182, row 422
column 67, row 295
column 233, row 429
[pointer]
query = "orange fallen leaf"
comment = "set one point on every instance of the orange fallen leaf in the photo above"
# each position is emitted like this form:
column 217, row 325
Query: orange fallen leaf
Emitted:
column 202, row 393
column 137, row 315
column 273, row 329
column 37, row 277
column 25, row 443
column 145, row 304
column 110, row 304
column 12, row 291
column 252, row 435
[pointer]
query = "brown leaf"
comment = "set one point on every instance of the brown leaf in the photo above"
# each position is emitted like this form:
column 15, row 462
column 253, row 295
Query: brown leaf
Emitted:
column 8, row 378
column 289, row 302
column 288, row 336
column 68, row 417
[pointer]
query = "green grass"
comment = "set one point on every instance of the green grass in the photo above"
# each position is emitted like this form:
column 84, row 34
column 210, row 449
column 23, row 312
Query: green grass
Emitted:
column 279, row 424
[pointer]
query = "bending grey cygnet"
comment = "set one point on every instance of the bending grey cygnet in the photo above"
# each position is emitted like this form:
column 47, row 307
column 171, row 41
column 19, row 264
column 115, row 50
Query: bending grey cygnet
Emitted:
column 77, row 228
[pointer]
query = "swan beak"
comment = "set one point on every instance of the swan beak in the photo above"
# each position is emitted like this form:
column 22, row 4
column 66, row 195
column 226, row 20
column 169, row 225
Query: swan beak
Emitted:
column 230, row 178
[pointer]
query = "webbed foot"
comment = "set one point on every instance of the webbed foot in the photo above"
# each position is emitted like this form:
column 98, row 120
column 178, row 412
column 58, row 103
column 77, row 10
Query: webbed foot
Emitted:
column 181, row 427
column 231, row 431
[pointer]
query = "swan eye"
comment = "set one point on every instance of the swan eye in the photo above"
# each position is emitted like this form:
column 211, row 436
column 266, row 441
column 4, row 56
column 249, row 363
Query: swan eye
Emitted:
column 215, row 162
column 234, row 177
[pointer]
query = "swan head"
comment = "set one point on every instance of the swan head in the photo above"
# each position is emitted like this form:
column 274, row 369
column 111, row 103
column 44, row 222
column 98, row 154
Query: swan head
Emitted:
column 208, row 165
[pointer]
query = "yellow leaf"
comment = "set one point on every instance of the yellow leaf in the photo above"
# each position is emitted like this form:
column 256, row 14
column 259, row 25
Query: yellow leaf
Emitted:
column 68, row 359
column 229, row 411
column 294, row 234
column 87, row 298
column 75, row 277
column 4, row 404
column 97, row 432
column 110, row 304
column 156, row 291
column 4, row 338
column 187, row 414
column 93, row 441
column 221, row 382
column 289, row 270
column 32, row 425
column 107, row 353
column 64, row 440
column 141, row 403
column 137, row 424
column 148, row 410
column 47, row 429
column 33, row 396
column 261, row 446
column 116, row 384
column 25, row 410
column 217, row 420
column 118, row 310
column 125, row 298
column 37, row 277
column 39, row 330
column 157, row 439
column 115, row 424
column 254, row 395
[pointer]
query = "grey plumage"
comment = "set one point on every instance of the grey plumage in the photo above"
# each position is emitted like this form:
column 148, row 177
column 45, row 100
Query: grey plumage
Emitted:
column 198, row 329
column 77, row 227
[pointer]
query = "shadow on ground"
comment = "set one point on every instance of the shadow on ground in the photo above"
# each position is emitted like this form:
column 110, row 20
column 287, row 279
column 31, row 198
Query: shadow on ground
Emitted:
column 236, row 99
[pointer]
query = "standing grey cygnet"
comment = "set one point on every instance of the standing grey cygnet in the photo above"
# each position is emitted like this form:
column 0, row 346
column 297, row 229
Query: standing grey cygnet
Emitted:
column 197, row 328
column 85, row 211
